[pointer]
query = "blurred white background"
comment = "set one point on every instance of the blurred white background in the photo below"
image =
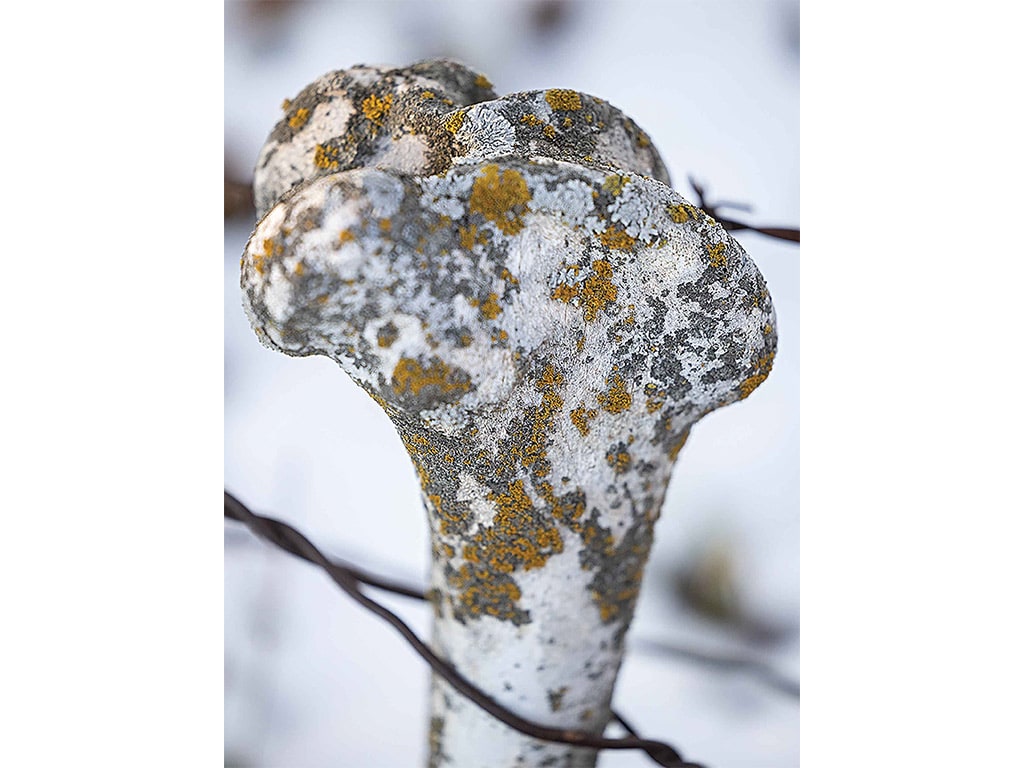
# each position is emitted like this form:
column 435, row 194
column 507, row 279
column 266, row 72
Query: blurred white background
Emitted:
column 312, row 680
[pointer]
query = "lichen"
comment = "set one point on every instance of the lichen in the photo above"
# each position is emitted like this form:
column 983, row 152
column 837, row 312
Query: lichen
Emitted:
column 501, row 197
column 617, row 398
column 299, row 119
column 616, row 238
column 563, row 99
column 375, row 107
column 411, row 376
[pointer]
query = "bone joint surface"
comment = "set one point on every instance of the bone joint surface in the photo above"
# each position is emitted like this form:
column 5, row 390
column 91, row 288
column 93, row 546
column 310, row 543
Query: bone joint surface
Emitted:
column 544, row 319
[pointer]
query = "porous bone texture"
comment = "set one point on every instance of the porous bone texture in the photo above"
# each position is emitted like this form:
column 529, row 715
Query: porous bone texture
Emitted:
column 544, row 326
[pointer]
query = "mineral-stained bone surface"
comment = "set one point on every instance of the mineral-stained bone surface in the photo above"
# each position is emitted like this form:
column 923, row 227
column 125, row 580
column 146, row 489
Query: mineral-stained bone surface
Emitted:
column 544, row 320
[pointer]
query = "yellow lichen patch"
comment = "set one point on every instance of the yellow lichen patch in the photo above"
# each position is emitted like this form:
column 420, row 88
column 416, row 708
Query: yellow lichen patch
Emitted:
column 532, row 119
column 580, row 416
column 549, row 131
column 482, row 82
column 564, row 99
column 716, row 254
column 518, row 536
column 620, row 461
column 682, row 213
column 643, row 140
column 598, row 290
column 345, row 236
column 299, row 269
column 531, row 452
column 595, row 293
column 326, row 157
column 286, row 105
column 614, row 184
column 471, row 236
column 410, row 376
column 453, row 122
column 501, row 198
column 299, row 119
column 374, row 107
column 490, row 308
column 616, row 238
column 655, row 398
column 427, row 95
column 617, row 399
column 761, row 370
column 567, row 122
column 271, row 248
column 508, row 276
column 384, row 225
column 387, row 336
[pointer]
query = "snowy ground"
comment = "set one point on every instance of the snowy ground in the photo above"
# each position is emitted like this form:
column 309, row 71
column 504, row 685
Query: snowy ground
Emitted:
column 312, row 680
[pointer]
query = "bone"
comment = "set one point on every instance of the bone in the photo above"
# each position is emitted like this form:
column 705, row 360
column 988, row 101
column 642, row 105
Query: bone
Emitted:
column 544, row 322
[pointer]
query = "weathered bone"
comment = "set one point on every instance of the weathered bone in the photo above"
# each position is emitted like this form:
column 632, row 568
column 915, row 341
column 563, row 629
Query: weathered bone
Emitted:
column 544, row 322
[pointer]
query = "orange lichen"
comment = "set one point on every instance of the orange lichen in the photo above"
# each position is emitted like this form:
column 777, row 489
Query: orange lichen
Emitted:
column 345, row 236
column 374, row 107
column 616, row 238
column 682, row 213
column 655, row 398
column 326, row 157
column 299, row 119
column 482, row 82
column 595, row 293
column 716, row 254
column 471, row 236
column 762, row 368
column 271, row 248
column 563, row 99
column 532, row 119
column 501, row 198
column 580, row 416
column 617, row 399
column 387, row 336
column 614, row 184
column 620, row 461
column 454, row 121
column 411, row 376
column 490, row 308
column 286, row 105
column 427, row 95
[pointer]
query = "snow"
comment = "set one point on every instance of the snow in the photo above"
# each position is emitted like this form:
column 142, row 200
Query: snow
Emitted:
column 313, row 680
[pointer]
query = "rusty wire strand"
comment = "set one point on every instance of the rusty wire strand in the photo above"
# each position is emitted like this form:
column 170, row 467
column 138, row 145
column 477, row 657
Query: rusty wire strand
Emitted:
column 731, row 225
column 350, row 579
column 719, row 662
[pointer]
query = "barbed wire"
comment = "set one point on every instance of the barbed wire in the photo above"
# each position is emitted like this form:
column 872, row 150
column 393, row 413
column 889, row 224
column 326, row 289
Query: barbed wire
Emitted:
column 735, row 663
column 713, row 210
column 350, row 579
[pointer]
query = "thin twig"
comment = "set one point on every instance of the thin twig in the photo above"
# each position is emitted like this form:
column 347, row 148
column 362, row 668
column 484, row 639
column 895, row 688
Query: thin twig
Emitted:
column 289, row 539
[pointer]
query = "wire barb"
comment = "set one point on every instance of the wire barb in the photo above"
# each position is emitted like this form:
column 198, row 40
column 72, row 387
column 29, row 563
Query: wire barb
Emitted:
column 351, row 579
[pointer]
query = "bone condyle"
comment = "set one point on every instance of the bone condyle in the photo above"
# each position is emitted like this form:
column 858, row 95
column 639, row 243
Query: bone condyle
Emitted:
column 544, row 319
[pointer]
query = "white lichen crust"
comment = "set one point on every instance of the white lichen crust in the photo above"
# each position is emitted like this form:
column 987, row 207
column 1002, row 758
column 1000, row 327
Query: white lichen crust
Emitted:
column 544, row 330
